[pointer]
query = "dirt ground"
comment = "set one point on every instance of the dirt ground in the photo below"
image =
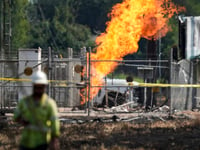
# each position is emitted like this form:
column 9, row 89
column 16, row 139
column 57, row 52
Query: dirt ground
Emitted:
column 180, row 132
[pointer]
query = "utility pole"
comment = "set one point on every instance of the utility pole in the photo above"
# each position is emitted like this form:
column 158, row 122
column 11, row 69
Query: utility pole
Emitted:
column 159, row 54
column 5, row 28
column 49, row 68
column 1, row 28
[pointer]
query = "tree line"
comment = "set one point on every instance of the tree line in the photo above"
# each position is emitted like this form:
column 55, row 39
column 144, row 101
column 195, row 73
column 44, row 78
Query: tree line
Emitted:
column 58, row 24
column 76, row 23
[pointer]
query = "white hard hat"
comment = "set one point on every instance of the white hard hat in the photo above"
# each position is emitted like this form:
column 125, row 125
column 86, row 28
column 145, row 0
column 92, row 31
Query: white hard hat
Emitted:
column 39, row 77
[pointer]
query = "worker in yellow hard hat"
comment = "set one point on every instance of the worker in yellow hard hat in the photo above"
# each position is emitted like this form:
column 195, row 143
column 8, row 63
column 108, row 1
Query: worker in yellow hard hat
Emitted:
column 38, row 114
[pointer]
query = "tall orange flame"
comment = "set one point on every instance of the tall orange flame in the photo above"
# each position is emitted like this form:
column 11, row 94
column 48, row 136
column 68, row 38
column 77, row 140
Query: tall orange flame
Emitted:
column 130, row 20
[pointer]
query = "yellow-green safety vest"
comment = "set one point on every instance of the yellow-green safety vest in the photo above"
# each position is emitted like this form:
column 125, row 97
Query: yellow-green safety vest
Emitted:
column 43, row 119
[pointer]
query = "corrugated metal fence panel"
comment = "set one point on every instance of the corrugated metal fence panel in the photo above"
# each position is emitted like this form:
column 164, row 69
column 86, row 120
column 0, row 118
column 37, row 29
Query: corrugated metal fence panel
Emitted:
column 182, row 97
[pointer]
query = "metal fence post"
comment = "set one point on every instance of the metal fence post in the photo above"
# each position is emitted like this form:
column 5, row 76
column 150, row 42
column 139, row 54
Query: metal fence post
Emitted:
column 170, row 80
column 70, row 77
column 89, row 83
column 49, row 69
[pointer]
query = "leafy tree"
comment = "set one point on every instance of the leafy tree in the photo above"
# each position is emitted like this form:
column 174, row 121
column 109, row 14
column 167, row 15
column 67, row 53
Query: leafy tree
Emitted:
column 66, row 31
column 95, row 13
column 55, row 26
column 74, row 23
column 20, row 24
column 192, row 7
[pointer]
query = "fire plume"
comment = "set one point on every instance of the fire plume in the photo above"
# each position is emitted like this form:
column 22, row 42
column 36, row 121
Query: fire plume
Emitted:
column 130, row 20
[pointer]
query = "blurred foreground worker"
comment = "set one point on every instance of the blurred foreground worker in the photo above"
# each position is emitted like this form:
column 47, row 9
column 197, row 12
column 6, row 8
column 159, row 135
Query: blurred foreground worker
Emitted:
column 39, row 116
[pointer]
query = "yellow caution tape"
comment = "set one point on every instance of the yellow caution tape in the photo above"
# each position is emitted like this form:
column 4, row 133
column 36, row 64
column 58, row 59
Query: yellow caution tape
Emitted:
column 168, row 85
column 65, row 82
column 29, row 80
column 14, row 79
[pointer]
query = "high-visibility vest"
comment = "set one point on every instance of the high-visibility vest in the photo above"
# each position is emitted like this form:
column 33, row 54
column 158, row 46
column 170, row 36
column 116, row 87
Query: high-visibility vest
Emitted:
column 43, row 119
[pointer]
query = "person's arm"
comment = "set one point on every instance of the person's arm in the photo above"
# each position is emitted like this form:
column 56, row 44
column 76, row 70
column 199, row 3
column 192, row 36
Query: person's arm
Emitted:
column 54, row 144
column 55, row 128
column 18, row 114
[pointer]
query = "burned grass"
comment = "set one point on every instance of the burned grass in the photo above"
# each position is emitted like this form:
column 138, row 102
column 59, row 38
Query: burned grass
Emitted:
column 173, row 134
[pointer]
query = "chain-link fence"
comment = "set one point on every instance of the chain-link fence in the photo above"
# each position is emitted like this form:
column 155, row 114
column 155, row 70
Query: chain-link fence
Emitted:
column 127, row 94
column 15, row 79
column 64, row 87
column 133, row 91
column 185, row 72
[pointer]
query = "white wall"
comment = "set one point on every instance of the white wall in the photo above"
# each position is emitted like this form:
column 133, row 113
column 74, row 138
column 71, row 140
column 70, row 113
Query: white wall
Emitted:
column 28, row 58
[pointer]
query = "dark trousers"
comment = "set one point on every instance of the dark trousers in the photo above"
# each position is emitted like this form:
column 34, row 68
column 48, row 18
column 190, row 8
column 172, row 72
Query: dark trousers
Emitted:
column 41, row 147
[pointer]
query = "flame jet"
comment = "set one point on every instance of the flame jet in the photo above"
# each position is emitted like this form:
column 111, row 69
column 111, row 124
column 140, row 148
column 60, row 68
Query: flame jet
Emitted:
column 130, row 20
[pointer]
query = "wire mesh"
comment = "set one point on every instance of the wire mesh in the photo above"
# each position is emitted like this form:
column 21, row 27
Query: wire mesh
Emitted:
column 65, row 86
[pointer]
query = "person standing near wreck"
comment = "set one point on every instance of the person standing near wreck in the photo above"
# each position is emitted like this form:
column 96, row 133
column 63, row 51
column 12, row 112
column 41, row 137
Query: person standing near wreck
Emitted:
column 39, row 116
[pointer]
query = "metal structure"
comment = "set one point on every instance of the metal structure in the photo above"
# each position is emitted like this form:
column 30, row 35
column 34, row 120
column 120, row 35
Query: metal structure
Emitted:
column 146, row 73
column 5, row 46
column 184, row 72
column 65, row 85
column 138, row 91
column 5, row 24
column 61, row 74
